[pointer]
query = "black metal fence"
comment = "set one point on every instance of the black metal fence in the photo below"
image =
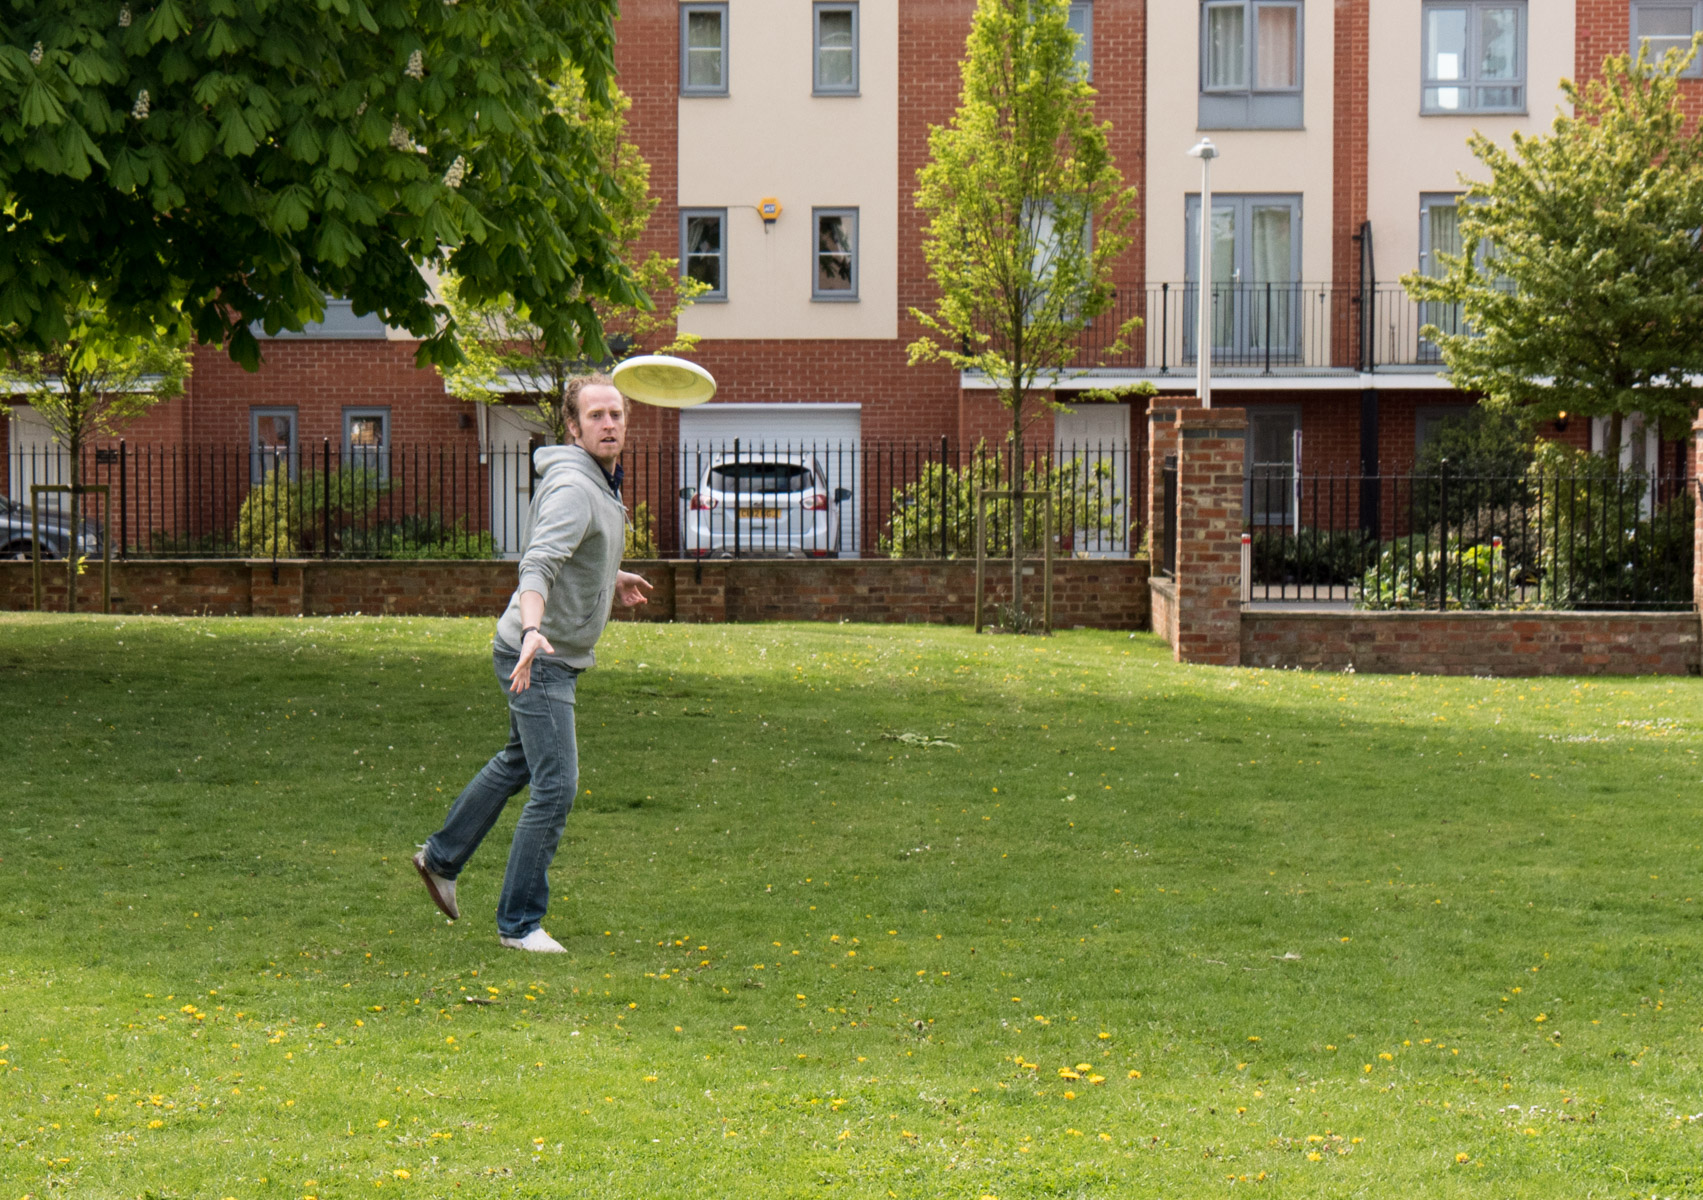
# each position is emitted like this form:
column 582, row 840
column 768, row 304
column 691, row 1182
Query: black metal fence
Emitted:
column 1600, row 539
column 732, row 499
column 1269, row 327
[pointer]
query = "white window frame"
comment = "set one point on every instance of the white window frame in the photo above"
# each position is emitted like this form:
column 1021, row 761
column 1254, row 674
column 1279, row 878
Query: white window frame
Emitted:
column 687, row 88
column 1082, row 24
column 381, row 455
column 1248, row 105
column 687, row 215
column 849, row 215
column 261, row 458
column 1695, row 70
column 836, row 89
column 1469, row 83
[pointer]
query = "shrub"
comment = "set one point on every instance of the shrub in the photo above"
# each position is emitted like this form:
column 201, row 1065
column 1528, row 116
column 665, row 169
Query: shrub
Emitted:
column 266, row 522
column 1314, row 556
column 1413, row 572
column 641, row 533
column 939, row 508
column 1600, row 547
column 1475, row 463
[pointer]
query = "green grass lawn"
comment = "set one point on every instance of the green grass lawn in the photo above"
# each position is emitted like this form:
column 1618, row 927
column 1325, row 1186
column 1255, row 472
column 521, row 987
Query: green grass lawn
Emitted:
column 850, row 911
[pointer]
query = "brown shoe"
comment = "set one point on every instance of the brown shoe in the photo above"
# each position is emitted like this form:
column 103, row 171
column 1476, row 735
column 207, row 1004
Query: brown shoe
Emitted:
column 440, row 889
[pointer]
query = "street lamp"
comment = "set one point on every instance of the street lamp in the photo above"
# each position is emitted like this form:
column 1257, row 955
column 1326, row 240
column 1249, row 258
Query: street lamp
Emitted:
column 1206, row 152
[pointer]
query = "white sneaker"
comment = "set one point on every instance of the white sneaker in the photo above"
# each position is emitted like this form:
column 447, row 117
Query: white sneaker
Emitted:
column 537, row 940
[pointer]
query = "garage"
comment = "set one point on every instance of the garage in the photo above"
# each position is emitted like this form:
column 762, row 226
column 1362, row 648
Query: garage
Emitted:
column 830, row 433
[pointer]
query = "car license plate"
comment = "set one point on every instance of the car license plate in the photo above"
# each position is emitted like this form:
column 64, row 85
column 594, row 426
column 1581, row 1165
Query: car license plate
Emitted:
column 759, row 514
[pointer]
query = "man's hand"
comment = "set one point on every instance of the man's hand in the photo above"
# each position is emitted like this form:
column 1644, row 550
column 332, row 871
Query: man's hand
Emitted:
column 521, row 677
column 630, row 589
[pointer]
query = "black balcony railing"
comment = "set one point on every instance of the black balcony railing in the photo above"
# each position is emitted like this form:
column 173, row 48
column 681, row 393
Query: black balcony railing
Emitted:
column 1267, row 327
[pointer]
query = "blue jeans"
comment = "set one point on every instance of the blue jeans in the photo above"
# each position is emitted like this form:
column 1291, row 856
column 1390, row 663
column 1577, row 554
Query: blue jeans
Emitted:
column 540, row 751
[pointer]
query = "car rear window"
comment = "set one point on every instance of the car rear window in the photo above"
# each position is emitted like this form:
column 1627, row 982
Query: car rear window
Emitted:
column 759, row 477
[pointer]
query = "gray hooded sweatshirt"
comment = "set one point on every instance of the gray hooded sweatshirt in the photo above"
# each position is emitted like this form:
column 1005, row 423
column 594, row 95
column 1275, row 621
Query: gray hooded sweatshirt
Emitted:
column 576, row 532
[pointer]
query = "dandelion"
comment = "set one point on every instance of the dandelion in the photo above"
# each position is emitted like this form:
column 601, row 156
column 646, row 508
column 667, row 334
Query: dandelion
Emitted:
column 1315, row 1156
column 140, row 110
column 416, row 68
column 400, row 1173
column 382, row 1123
column 1462, row 1157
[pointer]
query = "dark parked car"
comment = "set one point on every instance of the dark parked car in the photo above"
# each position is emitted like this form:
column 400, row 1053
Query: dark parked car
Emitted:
column 16, row 530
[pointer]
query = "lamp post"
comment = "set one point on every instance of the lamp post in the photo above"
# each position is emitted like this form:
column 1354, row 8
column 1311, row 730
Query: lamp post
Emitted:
column 1206, row 152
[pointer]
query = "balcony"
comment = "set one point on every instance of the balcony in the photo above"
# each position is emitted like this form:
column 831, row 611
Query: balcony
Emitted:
column 1271, row 329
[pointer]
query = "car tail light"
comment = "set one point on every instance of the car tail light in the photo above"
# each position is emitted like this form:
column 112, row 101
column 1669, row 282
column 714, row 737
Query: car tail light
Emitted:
column 816, row 503
column 701, row 502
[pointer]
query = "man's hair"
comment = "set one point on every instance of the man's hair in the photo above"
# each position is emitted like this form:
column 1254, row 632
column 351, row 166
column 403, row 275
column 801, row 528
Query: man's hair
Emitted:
column 578, row 384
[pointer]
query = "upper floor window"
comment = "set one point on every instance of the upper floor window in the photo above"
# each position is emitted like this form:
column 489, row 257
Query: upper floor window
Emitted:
column 836, row 49
column 1082, row 25
column 1658, row 28
column 703, row 249
column 339, row 322
column 1475, row 56
column 836, row 254
column 1250, row 64
column 703, row 49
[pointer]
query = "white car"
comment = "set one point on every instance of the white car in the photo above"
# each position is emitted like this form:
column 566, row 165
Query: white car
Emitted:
column 766, row 505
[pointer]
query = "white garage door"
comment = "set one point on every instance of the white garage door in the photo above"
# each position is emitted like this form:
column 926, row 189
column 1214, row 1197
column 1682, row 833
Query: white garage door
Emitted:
column 831, row 432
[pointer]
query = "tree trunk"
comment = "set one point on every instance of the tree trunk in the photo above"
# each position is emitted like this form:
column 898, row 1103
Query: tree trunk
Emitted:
column 74, row 445
column 1616, row 431
column 1017, row 510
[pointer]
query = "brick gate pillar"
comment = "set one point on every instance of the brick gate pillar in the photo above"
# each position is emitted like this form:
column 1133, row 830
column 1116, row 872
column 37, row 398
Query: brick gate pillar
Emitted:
column 1210, row 456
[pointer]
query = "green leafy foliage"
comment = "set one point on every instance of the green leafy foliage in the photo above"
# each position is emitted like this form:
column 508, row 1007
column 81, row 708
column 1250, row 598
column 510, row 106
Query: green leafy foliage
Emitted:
column 268, row 523
column 641, row 533
column 1578, row 279
column 508, row 353
column 221, row 162
column 1414, row 572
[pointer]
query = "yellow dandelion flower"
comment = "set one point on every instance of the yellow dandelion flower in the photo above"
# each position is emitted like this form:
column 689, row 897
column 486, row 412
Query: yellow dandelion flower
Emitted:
column 1462, row 1157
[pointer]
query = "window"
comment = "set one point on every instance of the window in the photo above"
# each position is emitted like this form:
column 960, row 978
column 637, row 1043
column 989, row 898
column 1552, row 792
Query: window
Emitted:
column 1072, row 237
column 1273, row 441
column 1255, row 292
column 1082, row 25
column 836, row 254
column 366, row 440
column 271, row 442
column 703, row 249
column 1250, row 64
column 340, row 322
column 1475, row 57
column 1439, row 234
column 1658, row 28
column 703, row 49
column 836, row 49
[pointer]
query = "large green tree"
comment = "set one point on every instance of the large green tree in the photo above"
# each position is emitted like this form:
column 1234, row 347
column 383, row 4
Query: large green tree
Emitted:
column 1579, row 286
column 507, row 352
column 1027, row 215
column 96, row 379
column 221, row 162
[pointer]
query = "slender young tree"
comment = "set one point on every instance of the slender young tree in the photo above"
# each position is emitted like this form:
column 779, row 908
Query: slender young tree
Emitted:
column 1579, row 285
column 218, row 163
column 507, row 352
column 91, row 384
column 1027, row 214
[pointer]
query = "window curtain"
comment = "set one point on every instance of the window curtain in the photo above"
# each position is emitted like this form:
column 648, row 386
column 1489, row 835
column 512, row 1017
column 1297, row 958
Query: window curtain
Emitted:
column 1279, row 31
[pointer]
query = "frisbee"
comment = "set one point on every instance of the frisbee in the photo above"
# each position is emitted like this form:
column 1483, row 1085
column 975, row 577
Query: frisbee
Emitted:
column 663, row 380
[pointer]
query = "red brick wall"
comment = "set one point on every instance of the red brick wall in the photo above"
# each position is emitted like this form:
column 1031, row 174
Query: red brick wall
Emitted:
column 1092, row 593
column 1209, row 534
column 1348, row 158
column 1474, row 643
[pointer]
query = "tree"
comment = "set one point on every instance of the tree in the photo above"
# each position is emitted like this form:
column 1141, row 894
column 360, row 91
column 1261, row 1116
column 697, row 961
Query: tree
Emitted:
column 507, row 353
column 1027, row 215
column 221, row 162
column 1580, row 279
column 95, row 380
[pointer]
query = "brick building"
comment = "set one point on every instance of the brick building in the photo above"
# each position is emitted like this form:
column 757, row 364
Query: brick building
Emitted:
column 1342, row 130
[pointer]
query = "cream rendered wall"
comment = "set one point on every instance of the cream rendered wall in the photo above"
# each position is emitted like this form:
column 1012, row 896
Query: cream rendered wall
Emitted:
column 771, row 137
column 1409, row 155
column 1293, row 161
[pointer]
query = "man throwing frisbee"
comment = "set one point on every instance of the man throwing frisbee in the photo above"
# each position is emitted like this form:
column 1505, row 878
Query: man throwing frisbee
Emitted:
column 569, row 575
